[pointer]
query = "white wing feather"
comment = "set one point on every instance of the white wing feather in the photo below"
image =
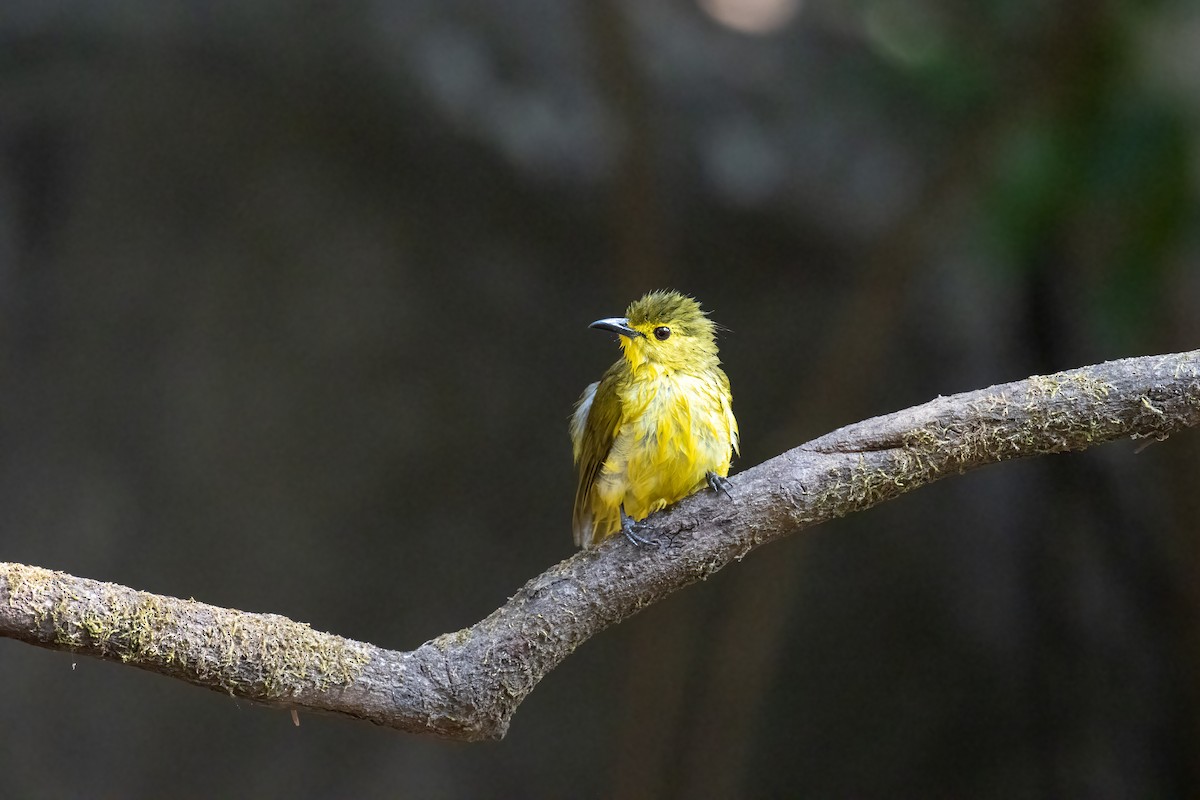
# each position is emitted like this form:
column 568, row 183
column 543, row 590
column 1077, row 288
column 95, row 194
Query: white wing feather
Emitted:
column 579, row 418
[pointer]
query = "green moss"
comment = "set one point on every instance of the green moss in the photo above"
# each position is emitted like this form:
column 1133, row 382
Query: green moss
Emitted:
column 1055, row 413
column 259, row 655
column 272, row 655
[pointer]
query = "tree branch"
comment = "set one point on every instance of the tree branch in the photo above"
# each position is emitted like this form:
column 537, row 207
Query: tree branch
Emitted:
column 467, row 685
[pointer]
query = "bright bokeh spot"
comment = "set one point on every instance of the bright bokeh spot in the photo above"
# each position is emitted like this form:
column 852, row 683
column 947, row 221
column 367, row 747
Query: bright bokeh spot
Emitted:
column 902, row 31
column 752, row 16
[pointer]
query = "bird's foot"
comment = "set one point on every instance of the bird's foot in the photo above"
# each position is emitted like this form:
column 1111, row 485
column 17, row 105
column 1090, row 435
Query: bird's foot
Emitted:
column 719, row 484
column 629, row 528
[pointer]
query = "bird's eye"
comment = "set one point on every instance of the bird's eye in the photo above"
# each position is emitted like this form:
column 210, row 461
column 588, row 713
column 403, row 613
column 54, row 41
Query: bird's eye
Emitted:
column 662, row 333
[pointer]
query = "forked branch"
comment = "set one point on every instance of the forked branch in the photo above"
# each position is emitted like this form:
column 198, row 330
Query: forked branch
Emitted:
column 467, row 684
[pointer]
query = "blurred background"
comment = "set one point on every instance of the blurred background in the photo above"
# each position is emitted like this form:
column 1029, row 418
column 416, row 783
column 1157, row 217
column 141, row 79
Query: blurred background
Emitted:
column 293, row 310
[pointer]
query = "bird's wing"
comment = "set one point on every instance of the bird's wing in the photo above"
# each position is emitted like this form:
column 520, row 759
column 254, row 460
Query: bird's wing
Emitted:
column 593, row 428
column 727, row 407
column 579, row 418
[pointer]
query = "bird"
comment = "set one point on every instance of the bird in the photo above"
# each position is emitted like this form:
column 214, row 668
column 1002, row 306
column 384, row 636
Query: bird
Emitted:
column 658, row 426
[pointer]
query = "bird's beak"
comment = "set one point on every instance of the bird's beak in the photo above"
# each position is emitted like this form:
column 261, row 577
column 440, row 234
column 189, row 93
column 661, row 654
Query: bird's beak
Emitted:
column 617, row 325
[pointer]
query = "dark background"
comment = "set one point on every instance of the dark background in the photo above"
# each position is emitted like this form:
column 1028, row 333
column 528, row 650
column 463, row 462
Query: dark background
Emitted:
column 293, row 310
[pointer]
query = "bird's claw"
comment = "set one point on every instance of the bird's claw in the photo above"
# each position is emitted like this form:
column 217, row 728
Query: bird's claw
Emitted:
column 629, row 529
column 719, row 484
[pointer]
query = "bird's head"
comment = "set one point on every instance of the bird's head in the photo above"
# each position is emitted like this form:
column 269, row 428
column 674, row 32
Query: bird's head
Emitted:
column 666, row 329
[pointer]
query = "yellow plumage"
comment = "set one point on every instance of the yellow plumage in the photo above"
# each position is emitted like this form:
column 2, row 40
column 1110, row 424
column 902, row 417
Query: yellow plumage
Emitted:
column 659, row 425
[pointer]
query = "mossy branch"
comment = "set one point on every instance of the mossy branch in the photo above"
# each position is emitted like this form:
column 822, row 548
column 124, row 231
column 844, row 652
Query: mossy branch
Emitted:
column 467, row 685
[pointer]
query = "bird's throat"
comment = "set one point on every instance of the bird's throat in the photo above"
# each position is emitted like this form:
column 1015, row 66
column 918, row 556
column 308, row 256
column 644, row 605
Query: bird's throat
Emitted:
column 634, row 352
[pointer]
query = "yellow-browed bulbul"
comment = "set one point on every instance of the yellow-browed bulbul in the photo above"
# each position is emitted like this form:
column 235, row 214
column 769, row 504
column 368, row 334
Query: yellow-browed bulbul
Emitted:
column 658, row 426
